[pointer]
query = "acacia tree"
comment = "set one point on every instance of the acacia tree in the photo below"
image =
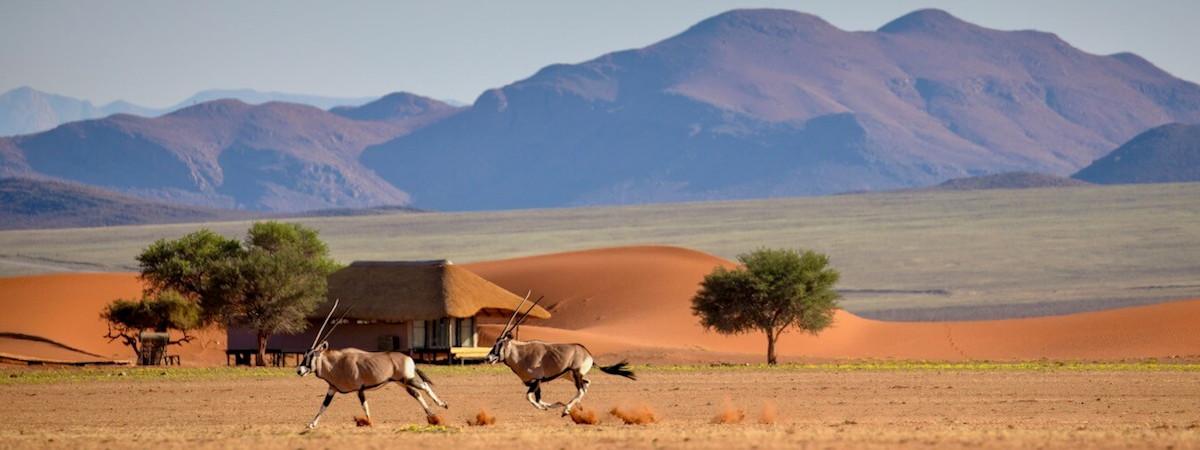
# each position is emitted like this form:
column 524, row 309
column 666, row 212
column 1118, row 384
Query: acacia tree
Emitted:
column 128, row 319
column 773, row 290
column 194, row 266
column 269, row 282
column 277, row 282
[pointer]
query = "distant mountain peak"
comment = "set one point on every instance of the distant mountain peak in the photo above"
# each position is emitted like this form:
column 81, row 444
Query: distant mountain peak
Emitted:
column 774, row 22
column 221, row 107
column 394, row 106
column 927, row 20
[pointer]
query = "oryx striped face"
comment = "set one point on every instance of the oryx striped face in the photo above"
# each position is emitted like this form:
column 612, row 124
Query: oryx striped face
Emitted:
column 494, row 356
column 306, row 365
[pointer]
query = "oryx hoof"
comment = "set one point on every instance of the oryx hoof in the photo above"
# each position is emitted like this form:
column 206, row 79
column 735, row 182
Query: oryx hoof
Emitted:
column 312, row 425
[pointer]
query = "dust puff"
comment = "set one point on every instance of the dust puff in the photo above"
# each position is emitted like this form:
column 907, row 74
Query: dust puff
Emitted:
column 482, row 419
column 584, row 416
column 435, row 419
column 729, row 414
column 362, row 421
column 769, row 413
column 639, row 415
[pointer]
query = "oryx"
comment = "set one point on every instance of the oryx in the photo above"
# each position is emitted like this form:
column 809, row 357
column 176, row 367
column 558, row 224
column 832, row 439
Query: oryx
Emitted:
column 536, row 362
column 352, row 370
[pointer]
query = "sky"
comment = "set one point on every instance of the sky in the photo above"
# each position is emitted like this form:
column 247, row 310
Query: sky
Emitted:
column 156, row 53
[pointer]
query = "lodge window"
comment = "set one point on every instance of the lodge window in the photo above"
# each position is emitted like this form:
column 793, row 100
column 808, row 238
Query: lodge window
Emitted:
column 418, row 334
column 444, row 333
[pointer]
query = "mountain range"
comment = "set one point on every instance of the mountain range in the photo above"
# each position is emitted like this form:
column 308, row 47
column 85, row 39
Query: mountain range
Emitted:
column 26, row 110
column 228, row 154
column 762, row 103
column 746, row 104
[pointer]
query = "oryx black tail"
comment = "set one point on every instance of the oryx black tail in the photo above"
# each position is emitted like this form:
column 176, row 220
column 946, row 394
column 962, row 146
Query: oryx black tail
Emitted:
column 621, row 368
column 424, row 377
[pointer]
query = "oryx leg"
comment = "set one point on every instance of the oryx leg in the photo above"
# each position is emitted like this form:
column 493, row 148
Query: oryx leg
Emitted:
column 324, row 404
column 424, row 386
column 581, row 385
column 535, row 396
column 417, row 395
column 362, row 398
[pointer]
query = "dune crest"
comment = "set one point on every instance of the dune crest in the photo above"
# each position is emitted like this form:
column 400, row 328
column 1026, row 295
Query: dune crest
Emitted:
column 637, row 301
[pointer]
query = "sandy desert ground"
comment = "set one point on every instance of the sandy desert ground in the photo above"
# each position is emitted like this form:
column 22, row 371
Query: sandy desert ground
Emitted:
column 815, row 409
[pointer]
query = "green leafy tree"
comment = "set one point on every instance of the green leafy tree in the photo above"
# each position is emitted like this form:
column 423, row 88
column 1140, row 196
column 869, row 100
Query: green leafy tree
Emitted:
column 773, row 290
column 278, row 282
column 269, row 282
column 193, row 266
column 128, row 319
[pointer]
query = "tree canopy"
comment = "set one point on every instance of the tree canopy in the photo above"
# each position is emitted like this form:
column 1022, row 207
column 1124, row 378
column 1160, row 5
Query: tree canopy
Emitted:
column 772, row 290
column 192, row 266
column 269, row 282
column 168, row 310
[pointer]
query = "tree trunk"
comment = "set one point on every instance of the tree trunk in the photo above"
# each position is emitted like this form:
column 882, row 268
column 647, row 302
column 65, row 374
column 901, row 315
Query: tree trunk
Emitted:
column 262, row 349
column 771, row 347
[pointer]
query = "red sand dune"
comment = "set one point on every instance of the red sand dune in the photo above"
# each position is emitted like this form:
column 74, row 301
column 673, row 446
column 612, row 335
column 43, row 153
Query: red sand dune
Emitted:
column 65, row 309
column 637, row 300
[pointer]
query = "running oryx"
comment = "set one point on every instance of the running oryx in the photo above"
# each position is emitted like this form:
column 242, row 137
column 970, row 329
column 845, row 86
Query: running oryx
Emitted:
column 536, row 362
column 353, row 370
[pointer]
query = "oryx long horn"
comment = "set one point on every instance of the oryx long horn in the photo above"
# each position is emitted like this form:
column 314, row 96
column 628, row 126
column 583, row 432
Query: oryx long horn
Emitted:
column 534, row 305
column 317, row 338
column 516, row 311
column 337, row 322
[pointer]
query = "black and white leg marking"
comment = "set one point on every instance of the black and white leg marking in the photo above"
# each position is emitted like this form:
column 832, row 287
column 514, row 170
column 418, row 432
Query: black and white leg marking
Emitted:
column 324, row 404
column 362, row 398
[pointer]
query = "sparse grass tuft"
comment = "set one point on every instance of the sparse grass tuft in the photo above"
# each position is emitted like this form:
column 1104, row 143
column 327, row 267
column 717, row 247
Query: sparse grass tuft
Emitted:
column 420, row 428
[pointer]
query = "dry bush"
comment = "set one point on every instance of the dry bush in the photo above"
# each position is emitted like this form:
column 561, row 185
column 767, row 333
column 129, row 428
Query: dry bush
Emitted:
column 435, row 419
column 769, row 413
column 729, row 414
column 584, row 416
column 482, row 419
column 638, row 415
column 362, row 421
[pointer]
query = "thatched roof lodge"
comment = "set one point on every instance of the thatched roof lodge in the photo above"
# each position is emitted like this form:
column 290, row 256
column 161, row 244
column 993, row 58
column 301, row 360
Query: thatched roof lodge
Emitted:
column 428, row 309
column 401, row 291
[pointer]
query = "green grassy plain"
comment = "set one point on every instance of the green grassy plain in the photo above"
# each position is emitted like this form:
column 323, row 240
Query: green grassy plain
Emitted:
column 915, row 255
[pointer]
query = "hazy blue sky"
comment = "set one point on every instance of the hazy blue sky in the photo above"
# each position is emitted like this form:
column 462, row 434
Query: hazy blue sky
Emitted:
column 158, row 52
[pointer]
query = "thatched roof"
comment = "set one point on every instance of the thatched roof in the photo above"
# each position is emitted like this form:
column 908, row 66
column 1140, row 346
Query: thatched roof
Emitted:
column 417, row 290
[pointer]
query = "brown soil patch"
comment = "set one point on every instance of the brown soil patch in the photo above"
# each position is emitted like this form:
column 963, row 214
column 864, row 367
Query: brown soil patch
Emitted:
column 482, row 419
column 584, row 416
column 729, row 414
column 770, row 413
column 636, row 415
